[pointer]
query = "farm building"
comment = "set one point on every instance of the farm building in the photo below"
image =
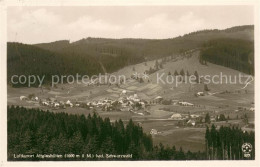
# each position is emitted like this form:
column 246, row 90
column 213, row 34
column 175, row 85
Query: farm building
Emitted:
column 185, row 104
column 191, row 122
column 154, row 132
column 176, row 116
column 23, row 98
column 194, row 116
column 252, row 109
column 158, row 99
column 69, row 103
column 200, row 94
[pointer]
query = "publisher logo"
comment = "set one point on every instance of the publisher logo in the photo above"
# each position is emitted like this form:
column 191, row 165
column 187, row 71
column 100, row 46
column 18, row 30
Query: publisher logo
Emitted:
column 247, row 149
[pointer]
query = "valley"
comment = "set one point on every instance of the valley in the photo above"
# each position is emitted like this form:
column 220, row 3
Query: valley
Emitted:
column 172, row 113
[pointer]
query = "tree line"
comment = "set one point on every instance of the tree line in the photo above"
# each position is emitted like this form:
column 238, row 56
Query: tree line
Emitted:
column 27, row 60
column 33, row 131
column 232, row 53
column 226, row 143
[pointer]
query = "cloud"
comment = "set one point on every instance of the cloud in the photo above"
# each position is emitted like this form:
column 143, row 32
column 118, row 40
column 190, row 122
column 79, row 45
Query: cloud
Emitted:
column 88, row 26
column 33, row 24
column 162, row 26
column 41, row 24
column 46, row 24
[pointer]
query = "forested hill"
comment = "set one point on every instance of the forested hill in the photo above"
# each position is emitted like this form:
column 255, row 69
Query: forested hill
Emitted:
column 148, row 48
column 235, row 54
column 32, row 131
column 100, row 55
column 27, row 60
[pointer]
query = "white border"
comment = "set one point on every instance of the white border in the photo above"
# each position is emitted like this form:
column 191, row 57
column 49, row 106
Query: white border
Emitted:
column 3, row 93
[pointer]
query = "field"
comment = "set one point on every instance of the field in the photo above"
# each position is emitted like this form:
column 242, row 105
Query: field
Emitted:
column 232, row 100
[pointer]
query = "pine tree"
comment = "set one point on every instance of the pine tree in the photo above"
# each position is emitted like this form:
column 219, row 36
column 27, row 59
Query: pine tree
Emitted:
column 182, row 73
column 207, row 138
column 206, row 87
column 187, row 73
column 156, row 66
column 196, row 76
column 176, row 73
column 207, row 118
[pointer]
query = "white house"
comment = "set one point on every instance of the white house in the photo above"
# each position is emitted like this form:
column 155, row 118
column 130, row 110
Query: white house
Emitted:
column 56, row 105
column 194, row 116
column 45, row 103
column 23, row 98
column 191, row 122
column 158, row 99
column 140, row 114
column 153, row 132
column 200, row 94
column 176, row 116
column 186, row 103
column 69, row 103
column 252, row 109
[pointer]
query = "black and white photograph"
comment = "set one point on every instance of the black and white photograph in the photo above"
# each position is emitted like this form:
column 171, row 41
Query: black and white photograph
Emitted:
column 141, row 82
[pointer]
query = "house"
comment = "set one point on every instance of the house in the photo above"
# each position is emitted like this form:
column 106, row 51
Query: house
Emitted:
column 183, row 103
column 194, row 116
column 175, row 102
column 158, row 99
column 124, row 92
column 200, row 94
column 140, row 114
column 252, row 109
column 69, row 103
column 136, row 100
column 56, row 104
column 191, row 122
column 23, row 98
column 143, row 104
column 176, row 116
column 45, row 103
column 35, row 98
column 213, row 119
column 153, row 132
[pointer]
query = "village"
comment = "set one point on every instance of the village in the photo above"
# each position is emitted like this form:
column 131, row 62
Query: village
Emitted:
column 139, row 107
column 173, row 115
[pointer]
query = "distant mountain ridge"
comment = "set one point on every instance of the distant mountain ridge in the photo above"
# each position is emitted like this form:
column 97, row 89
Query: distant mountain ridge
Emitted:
column 98, row 55
column 246, row 33
column 148, row 48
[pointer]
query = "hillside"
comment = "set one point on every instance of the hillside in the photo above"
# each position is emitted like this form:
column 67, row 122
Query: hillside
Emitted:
column 235, row 54
column 25, row 59
column 99, row 55
column 60, row 134
column 232, row 100
column 71, row 134
column 149, row 48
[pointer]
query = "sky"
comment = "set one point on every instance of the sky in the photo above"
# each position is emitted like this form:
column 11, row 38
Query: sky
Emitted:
column 47, row 24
